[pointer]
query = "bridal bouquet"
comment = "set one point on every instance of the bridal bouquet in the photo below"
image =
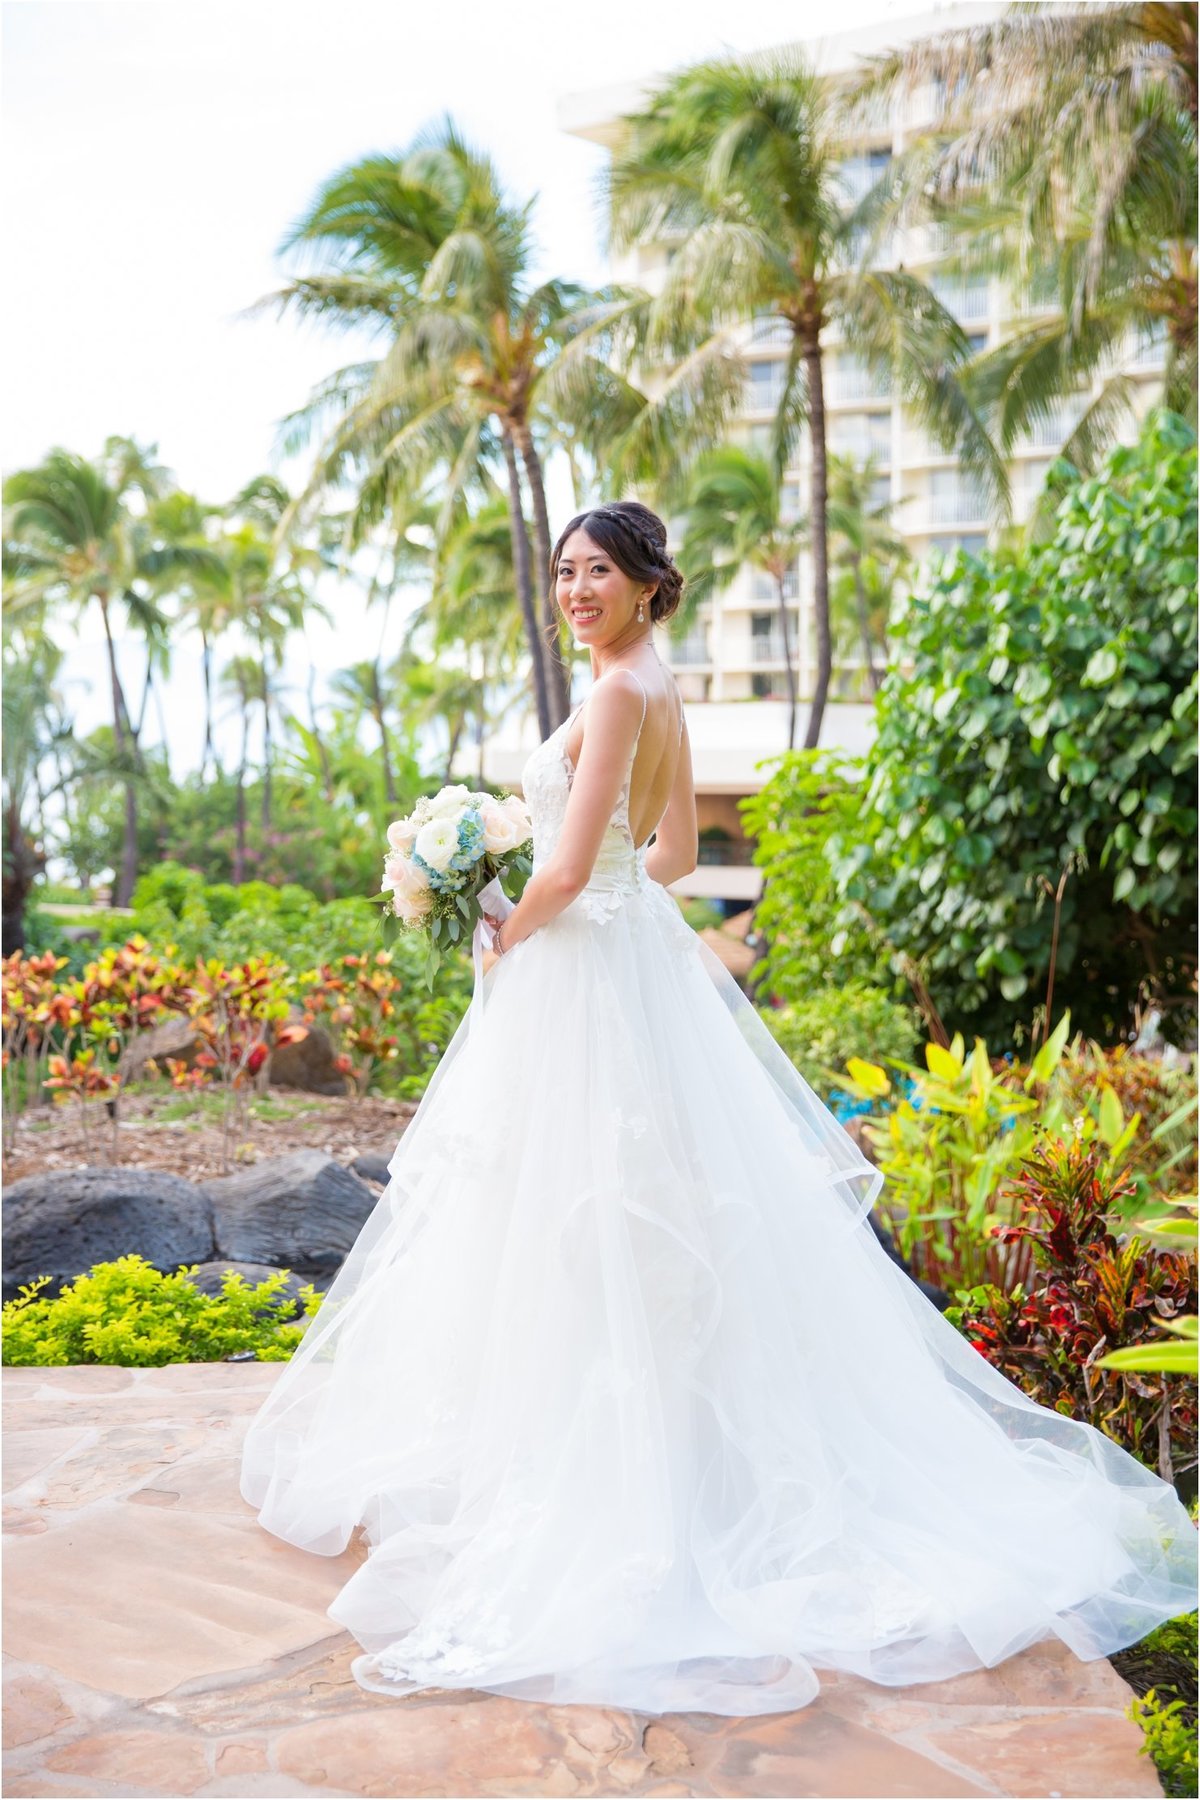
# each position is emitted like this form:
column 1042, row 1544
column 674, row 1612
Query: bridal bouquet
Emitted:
column 445, row 861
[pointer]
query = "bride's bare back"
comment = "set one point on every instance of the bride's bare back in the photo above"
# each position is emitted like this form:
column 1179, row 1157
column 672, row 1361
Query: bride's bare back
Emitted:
column 657, row 755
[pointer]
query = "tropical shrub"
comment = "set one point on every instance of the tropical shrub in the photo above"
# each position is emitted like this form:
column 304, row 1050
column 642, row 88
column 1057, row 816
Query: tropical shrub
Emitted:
column 832, row 1025
column 1030, row 792
column 129, row 1312
column 173, row 904
column 1169, row 1739
column 946, row 1141
column 813, row 942
column 1087, row 1291
column 1162, row 1670
column 1162, row 1157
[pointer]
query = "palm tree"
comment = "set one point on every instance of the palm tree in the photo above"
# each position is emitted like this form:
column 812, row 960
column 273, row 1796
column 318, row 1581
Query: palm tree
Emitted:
column 269, row 604
column 862, row 540
column 741, row 167
column 472, row 607
column 205, row 598
column 733, row 520
column 361, row 688
column 1064, row 158
column 243, row 677
column 478, row 362
column 74, row 541
column 27, row 699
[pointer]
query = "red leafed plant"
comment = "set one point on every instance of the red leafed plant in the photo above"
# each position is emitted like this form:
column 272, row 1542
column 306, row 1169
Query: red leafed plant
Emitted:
column 354, row 998
column 1090, row 1292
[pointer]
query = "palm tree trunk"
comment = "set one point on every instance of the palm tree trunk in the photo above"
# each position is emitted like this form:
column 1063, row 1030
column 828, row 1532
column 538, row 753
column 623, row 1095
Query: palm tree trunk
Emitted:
column 789, row 669
column 456, row 731
column 239, row 848
column 23, row 862
column 266, row 706
column 127, row 878
column 524, row 581
column 318, row 740
column 558, row 674
column 819, row 538
column 864, row 627
column 389, row 780
column 206, row 666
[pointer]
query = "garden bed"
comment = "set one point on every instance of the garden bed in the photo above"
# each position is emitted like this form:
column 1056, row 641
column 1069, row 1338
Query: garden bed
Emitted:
column 162, row 1129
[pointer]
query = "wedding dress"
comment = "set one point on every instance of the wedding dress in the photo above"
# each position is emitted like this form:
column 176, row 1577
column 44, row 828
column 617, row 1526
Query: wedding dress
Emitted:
column 630, row 1404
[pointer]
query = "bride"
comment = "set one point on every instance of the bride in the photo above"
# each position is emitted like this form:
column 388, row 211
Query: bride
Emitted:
column 629, row 1403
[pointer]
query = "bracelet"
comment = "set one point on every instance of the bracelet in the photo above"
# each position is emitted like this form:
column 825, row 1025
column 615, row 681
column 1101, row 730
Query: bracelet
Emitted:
column 497, row 946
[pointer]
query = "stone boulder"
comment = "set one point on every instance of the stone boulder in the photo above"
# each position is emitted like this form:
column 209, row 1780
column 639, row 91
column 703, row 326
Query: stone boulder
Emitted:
column 372, row 1165
column 63, row 1221
column 176, row 1038
column 307, row 1063
column 300, row 1212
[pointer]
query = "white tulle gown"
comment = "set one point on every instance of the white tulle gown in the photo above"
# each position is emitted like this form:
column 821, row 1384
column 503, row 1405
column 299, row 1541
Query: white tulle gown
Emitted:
column 631, row 1405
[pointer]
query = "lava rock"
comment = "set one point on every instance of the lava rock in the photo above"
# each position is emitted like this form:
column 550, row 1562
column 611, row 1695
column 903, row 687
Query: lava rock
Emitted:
column 301, row 1212
column 372, row 1166
column 176, row 1038
column 306, row 1064
column 63, row 1221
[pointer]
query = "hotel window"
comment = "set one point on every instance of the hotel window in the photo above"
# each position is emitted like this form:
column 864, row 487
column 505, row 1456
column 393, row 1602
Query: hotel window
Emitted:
column 763, row 585
column 764, row 385
column 973, row 542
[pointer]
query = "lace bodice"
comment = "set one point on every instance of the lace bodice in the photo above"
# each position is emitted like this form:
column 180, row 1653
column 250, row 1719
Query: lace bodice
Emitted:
column 546, row 785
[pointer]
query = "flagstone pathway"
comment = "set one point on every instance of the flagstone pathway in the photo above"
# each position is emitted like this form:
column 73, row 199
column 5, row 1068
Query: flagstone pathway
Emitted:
column 158, row 1642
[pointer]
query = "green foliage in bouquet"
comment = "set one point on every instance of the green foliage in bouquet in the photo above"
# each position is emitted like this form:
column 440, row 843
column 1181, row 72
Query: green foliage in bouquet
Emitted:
column 1034, row 763
column 436, row 865
column 129, row 1312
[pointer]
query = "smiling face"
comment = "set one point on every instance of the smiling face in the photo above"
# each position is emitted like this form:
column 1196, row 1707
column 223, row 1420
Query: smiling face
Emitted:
column 598, row 600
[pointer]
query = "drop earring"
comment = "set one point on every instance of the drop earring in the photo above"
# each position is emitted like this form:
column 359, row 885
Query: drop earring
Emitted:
column 641, row 614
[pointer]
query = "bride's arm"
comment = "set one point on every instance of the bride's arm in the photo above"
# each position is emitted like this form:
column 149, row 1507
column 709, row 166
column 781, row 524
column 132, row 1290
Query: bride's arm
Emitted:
column 615, row 709
column 677, row 840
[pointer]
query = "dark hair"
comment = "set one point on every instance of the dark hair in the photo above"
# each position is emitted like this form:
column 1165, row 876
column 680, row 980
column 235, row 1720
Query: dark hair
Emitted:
column 636, row 539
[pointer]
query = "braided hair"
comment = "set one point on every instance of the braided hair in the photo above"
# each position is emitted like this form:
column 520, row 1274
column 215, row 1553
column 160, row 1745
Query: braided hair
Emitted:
column 636, row 539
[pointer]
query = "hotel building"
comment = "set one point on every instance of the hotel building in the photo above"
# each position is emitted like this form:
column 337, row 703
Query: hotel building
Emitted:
column 729, row 665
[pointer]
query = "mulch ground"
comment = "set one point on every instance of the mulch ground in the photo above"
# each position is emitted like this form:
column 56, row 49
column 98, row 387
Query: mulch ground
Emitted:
column 54, row 1137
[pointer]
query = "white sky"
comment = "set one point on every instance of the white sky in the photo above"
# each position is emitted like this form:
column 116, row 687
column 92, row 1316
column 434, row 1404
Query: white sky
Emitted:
column 156, row 152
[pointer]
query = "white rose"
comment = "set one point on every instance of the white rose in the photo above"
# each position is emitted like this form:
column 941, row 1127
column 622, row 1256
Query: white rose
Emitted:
column 450, row 801
column 401, row 834
column 501, row 831
column 437, row 842
column 518, row 812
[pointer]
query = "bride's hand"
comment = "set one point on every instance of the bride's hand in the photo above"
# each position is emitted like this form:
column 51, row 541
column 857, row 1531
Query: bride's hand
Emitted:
column 492, row 920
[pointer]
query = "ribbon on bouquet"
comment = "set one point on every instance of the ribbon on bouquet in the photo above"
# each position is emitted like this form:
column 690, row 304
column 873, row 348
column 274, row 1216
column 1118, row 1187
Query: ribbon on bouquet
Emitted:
column 493, row 899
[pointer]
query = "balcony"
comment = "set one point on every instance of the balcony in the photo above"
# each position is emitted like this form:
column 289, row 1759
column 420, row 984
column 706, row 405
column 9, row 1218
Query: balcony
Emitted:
column 769, row 331
column 690, row 650
column 859, row 444
column 1149, row 348
column 1051, row 431
column 958, row 506
column 769, row 649
column 724, row 853
column 965, row 300
column 849, row 379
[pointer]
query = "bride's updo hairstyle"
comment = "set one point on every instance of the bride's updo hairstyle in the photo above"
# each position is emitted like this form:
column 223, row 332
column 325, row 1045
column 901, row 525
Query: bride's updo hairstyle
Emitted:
column 636, row 539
